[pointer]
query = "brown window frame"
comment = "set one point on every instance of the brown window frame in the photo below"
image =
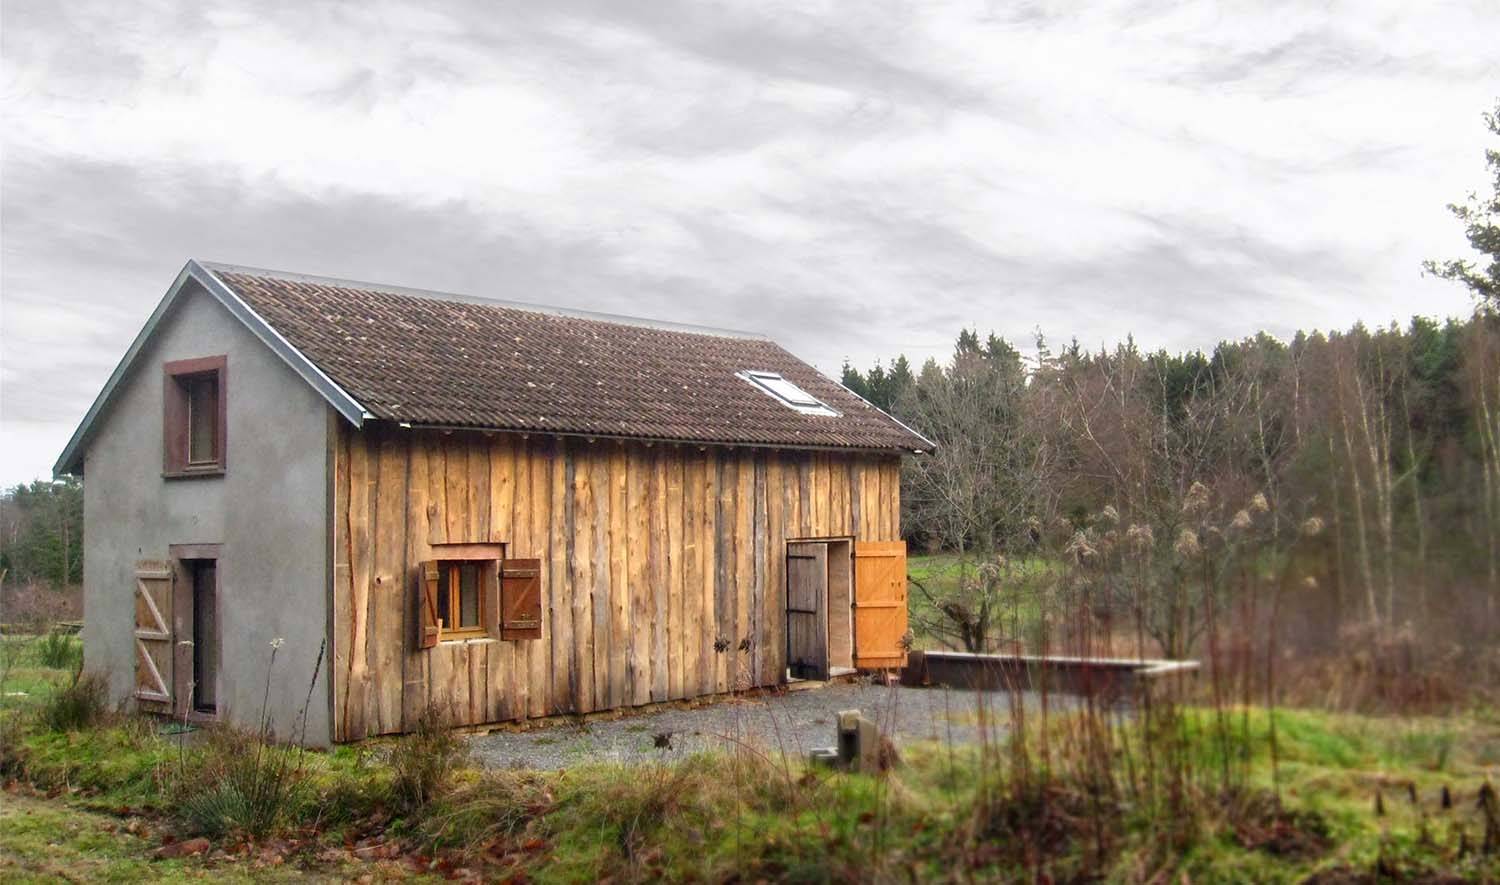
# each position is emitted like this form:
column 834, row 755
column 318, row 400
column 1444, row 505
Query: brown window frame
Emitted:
column 176, row 429
column 452, row 572
column 486, row 556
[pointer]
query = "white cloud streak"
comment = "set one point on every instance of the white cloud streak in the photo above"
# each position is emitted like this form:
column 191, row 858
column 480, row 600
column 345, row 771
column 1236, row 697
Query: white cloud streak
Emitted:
column 855, row 179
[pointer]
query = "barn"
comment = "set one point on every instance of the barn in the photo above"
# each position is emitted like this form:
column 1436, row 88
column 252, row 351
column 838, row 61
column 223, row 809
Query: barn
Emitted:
column 505, row 511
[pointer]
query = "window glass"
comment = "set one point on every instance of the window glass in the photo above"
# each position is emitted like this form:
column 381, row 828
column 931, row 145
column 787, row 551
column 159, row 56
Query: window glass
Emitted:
column 786, row 390
column 203, row 419
column 788, row 394
column 468, row 595
column 444, row 591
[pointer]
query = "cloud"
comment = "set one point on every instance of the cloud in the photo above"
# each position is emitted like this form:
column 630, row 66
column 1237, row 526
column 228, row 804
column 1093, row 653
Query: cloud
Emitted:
column 855, row 180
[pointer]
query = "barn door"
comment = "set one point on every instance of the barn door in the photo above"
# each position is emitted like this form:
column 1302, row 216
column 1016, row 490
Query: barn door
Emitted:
column 879, row 604
column 807, row 610
column 153, row 635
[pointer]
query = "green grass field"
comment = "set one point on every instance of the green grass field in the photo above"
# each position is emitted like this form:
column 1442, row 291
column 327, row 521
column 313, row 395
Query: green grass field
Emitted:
column 94, row 805
column 943, row 575
column 27, row 676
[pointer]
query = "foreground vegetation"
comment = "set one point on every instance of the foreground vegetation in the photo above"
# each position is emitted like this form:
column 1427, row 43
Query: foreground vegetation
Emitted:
column 101, row 796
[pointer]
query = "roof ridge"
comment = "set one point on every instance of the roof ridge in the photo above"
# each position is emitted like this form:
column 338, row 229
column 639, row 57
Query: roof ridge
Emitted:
column 217, row 267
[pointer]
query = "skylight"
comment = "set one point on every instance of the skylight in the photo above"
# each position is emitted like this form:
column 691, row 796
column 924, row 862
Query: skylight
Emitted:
column 788, row 394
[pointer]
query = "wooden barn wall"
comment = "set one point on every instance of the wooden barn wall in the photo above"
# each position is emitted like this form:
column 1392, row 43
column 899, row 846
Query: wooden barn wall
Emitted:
column 650, row 555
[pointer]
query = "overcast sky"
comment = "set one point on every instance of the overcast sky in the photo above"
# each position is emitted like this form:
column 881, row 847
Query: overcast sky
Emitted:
column 855, row 179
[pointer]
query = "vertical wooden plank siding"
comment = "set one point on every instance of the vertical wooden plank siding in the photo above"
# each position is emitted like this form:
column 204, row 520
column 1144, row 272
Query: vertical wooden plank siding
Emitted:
column 693, row 626
column 360, row 562
column 839, row 521
column 506, row 690
column 621, row 676
column 856, row 473
column 414, row 663
column 533, row 512
column 804, row 495
column 650, row 554
column 773, row 641
column 638, row 547
column 657, row 563
column 708, row 499
column 387, row 614
column 339, row 654
column 891, row 500
column 676, row 473
column 584, row 560
column 480, row 503
column 455, row 487
column 742, row 636
column 599, row 596
column 560, row 583
column 726, row 470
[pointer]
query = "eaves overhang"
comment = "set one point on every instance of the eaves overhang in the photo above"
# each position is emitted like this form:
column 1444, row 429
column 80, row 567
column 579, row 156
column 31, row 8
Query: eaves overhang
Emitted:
column 71, row 460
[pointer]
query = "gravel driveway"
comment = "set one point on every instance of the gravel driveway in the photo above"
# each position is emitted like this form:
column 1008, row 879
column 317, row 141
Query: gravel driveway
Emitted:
column 793, row 722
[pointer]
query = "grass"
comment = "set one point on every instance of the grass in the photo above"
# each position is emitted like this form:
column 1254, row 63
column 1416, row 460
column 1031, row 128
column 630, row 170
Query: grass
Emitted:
column 96, row 803
column 943, row 573
column 49, row 841
column 28, row 678
column 712, row 816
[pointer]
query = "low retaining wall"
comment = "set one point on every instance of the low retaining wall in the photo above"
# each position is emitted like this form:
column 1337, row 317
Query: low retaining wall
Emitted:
column 1107, row 677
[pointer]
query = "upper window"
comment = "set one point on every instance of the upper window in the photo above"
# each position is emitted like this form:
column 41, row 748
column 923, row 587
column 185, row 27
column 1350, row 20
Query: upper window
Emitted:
column 787, row 393
column 203, row 419
column 193, row 440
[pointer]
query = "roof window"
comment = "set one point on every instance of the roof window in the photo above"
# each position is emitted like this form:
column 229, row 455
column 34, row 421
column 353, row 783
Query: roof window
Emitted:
column 787, row 393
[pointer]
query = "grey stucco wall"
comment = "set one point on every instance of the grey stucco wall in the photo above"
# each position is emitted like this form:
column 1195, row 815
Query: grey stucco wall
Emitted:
column 269, row 511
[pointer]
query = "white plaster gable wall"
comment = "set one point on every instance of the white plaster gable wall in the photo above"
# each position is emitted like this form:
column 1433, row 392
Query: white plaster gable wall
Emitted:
column 269, row 511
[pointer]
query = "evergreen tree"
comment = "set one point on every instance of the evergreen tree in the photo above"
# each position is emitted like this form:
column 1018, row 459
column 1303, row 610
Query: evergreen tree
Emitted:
column 1481, row 220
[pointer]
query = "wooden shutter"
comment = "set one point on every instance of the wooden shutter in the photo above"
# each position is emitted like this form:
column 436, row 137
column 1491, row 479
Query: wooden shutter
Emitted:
column 879, row 604
column 153, row 635
column 521, row 599
column 429, row 628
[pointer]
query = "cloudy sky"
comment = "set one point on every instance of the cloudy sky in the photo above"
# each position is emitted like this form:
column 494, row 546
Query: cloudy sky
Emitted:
column 856, row 179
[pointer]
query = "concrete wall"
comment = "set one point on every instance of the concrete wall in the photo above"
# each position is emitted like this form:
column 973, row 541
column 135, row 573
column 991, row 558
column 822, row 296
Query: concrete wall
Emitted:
column 1107, row 678
column 269, row 511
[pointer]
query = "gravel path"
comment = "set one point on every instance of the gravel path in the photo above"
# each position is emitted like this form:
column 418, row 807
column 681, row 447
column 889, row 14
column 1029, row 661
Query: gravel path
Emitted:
column 793, row 722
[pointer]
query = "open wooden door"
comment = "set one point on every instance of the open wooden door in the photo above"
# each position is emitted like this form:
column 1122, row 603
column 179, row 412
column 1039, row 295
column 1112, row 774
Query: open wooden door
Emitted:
column 879, row 604
column 154, row 650
column 807, row 610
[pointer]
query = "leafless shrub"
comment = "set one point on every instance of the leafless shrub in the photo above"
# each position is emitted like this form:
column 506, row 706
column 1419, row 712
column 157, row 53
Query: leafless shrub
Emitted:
column 423, row 761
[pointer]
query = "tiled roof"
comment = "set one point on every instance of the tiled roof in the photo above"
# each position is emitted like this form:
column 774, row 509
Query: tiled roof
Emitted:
column 430, row 359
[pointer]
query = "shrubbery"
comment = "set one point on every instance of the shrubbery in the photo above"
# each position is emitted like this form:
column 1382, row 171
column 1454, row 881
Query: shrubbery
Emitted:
column 236, row 781
column 60, row 651
column 422, row 763
column 76, row 706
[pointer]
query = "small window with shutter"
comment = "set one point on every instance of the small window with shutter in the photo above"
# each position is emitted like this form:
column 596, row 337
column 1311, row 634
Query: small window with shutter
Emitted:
column 469, row 591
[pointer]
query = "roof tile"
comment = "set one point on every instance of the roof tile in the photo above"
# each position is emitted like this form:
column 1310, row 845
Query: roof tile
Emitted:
column 430, row 359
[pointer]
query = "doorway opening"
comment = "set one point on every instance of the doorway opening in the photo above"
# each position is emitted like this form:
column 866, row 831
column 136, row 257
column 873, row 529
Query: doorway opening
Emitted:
column 819, row 608
column 204, row 618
